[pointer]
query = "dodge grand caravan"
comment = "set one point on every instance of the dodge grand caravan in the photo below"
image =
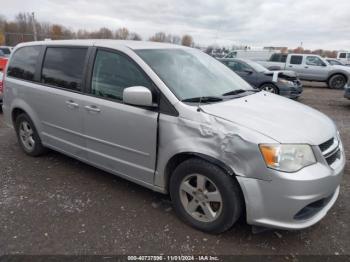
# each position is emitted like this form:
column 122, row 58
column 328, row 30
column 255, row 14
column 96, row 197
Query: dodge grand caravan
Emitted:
column 177, row 121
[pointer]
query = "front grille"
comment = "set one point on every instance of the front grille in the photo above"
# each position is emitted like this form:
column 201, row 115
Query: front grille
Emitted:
column 327, row 144
column 331, row 159
column 331, row 150
column 297, row 82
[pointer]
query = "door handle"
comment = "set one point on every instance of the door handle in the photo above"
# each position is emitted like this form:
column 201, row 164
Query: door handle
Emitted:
column 72, row 104
column 290, row 66
column 306, row 67
column 92, row 109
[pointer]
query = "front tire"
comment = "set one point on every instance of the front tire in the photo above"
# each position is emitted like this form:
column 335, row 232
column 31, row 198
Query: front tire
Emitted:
column 27, row 136
column 269, row 87
column 337, row 82
column 205, row 197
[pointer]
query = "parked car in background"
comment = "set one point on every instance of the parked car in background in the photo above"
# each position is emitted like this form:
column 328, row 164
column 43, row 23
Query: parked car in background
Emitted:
column 344, row 57
column 311, row 68
column 5, row 51
column 1, row 88
column 333, row 61
column 285, row 83
column 175, row 120
column 251, row 54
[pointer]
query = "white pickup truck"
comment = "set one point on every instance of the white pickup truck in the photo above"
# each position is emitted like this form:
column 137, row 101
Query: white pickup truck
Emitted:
column 311, row 68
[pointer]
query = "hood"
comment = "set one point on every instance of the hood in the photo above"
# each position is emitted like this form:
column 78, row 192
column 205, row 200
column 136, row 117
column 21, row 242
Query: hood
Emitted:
column 341, row 67
column 279, row 118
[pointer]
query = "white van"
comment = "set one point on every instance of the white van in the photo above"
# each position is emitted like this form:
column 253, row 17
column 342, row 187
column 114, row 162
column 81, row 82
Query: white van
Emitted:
column 344, row 57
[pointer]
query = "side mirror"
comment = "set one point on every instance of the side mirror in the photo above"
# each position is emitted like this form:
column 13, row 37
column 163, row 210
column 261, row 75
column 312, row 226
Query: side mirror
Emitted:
column 248, row 71
column 138, row 96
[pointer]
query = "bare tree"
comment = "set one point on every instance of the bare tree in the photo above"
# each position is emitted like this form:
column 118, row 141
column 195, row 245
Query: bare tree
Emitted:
column 175, row 39
column 122, row 33
column 134, row 36
column 159, row 37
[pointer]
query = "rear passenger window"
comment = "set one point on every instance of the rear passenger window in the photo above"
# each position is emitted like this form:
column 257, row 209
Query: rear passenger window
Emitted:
column 63, row 67
column 113, row 73
column 342, row 55
column 23, row 62
column 296, row 59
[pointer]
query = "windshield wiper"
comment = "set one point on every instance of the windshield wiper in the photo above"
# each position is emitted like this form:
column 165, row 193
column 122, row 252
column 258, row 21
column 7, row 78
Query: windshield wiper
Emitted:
column 203, row 99
column 239, row 91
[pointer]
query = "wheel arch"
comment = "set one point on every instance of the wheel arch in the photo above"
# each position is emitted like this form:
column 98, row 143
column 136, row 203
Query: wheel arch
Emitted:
column 20, row 106
column 177, row 159
column 337, row 73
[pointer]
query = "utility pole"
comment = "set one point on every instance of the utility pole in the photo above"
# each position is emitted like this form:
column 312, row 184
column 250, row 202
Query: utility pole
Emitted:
column 34, row 27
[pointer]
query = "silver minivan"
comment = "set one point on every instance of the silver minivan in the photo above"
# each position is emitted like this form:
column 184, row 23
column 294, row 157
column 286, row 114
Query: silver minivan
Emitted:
column 177, row 121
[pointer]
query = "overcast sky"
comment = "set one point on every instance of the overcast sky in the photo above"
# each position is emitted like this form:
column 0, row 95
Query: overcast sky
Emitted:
column 318, row 24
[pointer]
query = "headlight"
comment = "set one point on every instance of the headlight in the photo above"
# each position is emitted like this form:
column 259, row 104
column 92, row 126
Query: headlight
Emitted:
column 284, row 81
column 287, row 157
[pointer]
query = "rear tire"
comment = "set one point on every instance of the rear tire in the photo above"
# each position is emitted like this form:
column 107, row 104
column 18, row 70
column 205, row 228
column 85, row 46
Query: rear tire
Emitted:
column 205, row 197
column 337, row 81
column 28, row 136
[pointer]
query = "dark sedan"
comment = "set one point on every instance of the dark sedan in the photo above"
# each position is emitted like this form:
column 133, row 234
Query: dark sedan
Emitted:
column 285, row 83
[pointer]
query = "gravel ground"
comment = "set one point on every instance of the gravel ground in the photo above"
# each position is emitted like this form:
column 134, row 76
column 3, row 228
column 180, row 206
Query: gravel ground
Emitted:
column 57, row 205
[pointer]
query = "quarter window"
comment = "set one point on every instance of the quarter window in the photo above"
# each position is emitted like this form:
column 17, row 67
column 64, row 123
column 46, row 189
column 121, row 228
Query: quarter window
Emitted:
column 113, row 73
column 296, row 59
column 63, row 67
column 23, row 63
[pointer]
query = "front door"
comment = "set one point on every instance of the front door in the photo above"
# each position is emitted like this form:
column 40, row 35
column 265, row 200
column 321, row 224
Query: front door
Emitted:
column 121, row 138
column 315, row 68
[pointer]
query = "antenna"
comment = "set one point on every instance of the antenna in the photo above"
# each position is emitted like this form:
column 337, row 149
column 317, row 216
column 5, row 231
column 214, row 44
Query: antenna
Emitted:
column 199, row 104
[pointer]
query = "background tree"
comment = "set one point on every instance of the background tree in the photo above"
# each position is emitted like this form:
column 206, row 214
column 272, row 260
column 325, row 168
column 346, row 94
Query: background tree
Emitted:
column 122, row 33
column 187, row 40
column 56, row 32
column 159, row 37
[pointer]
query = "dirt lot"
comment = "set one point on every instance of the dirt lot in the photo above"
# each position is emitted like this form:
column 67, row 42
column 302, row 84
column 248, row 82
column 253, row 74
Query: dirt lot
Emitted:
column 57, row 205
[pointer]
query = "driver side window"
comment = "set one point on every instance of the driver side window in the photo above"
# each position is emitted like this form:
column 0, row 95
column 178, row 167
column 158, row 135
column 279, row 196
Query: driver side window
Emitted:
column 237, row 66
column 113, row 73
column 314, row 61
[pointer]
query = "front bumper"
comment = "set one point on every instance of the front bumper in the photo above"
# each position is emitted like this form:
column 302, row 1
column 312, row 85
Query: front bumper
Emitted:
column 291, row 91
column 292, row 200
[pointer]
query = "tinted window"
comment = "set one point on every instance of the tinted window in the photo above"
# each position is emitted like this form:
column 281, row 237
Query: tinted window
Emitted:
column 237, row 66
column 296, row 59
column 113, row 73
column 23, row 62
column 342, row 55
column 63, row 67
column 278, row 58
column 5, row 50
column 314, row 61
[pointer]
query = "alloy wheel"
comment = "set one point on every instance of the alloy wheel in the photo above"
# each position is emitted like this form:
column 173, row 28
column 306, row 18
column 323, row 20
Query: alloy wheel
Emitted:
column 200, row 198
column 26, row 135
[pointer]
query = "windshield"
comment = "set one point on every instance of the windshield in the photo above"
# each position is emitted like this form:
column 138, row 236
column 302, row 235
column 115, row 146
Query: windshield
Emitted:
column 333, row 62
column 190, row 73
column 257, row 67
